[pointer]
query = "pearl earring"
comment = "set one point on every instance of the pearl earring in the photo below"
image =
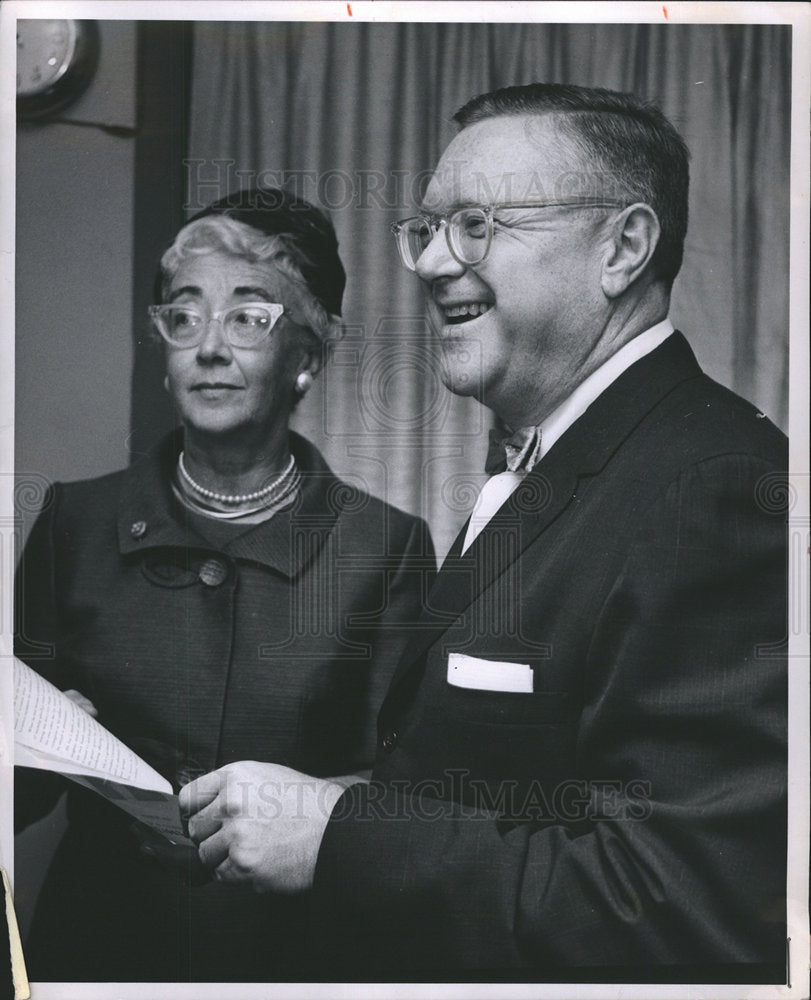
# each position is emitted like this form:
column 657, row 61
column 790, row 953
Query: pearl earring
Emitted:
column 166, row 383
column 304, row 381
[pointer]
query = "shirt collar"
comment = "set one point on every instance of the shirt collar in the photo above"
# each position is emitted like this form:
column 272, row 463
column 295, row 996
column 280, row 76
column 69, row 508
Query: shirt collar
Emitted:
column 576, row 404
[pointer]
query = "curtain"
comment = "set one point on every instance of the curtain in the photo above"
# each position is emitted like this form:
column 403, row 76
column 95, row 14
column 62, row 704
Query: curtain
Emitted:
column 353, row 116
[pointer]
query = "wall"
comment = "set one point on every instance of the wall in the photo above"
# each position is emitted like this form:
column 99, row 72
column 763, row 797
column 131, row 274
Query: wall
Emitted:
column 75, row 196
column 74, row 276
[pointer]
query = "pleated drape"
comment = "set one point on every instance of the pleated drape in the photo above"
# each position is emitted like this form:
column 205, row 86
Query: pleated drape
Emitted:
column 354, row 115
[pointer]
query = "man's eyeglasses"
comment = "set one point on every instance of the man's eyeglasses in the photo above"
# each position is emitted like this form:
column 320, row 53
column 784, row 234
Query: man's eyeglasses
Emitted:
column 469, row 231
column 246, row 325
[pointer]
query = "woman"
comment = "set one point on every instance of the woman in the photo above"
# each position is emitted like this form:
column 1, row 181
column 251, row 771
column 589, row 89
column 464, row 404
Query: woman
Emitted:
column 226, row 598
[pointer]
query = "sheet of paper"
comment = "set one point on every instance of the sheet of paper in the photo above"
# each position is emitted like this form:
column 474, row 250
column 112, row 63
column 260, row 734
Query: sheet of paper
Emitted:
column 158, row 810
column 54, row 734
column 51, row 733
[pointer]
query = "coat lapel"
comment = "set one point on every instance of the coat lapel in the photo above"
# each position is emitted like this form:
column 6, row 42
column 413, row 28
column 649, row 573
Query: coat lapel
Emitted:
column 291, row 539
column 583, row 450
column 540, row 498
column 148, row 517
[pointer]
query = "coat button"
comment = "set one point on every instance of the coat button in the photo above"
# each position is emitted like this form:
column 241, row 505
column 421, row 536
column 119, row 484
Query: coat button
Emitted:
column 212, row 572
column 390, row 741
column 138, row 529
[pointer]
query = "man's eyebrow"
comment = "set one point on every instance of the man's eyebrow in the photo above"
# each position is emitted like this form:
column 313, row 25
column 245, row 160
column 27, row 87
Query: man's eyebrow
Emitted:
column 454, row 206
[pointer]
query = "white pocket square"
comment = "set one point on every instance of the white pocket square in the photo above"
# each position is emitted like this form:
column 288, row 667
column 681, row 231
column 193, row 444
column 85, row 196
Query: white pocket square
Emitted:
column 488, row 675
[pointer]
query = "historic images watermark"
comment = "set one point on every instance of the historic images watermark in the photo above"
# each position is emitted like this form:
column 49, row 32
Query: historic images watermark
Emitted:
column 779, row 494
column 454, row 795
column 392, row 190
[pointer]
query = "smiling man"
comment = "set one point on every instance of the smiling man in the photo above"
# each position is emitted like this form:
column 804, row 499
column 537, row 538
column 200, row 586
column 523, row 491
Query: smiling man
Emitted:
column 582, row 755
column 524, row 326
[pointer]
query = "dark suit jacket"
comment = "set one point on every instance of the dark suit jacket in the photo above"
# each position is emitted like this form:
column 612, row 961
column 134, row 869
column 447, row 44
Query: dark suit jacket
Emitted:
column 627, row 818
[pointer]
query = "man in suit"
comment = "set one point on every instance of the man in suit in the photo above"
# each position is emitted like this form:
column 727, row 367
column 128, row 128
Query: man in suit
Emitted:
column 582, row 755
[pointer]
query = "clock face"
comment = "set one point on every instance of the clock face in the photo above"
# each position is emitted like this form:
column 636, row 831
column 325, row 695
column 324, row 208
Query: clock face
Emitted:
column 55, row 62
column 45, row 50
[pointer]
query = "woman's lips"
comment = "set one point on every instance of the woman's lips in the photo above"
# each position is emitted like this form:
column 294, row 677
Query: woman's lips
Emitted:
column 214, row 390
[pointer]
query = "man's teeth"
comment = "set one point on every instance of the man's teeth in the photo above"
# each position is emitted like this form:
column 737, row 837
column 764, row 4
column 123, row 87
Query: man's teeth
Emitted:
column 466, row 310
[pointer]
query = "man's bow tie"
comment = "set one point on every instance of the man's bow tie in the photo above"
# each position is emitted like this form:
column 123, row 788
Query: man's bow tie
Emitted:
column 518, row 452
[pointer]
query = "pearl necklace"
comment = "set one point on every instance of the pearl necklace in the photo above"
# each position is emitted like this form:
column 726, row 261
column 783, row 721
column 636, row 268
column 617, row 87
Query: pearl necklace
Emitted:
column 249, row 515
column 230, row 498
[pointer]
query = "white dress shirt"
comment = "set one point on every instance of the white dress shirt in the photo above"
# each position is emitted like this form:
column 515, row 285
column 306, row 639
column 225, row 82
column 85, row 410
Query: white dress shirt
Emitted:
column 498, row 488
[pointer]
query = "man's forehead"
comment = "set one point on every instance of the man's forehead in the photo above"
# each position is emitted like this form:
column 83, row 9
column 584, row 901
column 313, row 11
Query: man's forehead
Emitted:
column 515, row 158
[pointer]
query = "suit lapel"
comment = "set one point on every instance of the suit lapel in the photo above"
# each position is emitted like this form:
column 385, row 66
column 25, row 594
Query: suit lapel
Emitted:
column 463, row 578
column 584, row 449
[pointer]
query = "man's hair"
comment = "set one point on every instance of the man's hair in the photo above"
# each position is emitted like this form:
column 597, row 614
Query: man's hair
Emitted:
column 629, row 140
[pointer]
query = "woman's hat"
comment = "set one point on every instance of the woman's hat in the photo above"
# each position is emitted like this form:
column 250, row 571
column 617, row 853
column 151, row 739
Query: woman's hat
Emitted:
column 275, row 212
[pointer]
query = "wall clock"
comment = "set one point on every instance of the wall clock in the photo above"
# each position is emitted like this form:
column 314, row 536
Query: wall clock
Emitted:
column 56, row 61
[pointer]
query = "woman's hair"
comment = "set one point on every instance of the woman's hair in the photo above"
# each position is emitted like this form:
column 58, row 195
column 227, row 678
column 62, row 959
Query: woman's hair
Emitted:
column 222, row 233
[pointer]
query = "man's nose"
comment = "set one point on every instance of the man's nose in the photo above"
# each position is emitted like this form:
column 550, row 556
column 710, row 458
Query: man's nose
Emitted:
column 214, row 344
column 436, row 260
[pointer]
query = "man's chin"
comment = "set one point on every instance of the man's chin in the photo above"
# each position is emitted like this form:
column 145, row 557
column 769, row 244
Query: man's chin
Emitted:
column 460, row 380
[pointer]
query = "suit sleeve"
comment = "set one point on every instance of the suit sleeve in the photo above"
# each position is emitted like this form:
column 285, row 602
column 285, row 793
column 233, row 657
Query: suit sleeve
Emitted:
column 682, row 751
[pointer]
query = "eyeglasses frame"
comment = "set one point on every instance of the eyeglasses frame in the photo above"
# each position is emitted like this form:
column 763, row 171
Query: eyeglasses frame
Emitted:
column 436, row 222
column 276, row 310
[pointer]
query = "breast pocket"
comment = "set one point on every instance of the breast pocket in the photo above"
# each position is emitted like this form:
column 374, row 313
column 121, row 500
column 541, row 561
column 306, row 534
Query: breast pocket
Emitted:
column 505, row 708
column 509, row 740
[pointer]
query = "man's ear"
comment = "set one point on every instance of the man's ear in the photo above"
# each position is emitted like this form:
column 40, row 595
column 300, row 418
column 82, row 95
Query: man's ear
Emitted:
column 634, row 237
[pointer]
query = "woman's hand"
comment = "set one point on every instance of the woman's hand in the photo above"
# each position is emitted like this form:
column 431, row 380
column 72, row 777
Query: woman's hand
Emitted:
column 261, row 825
column 84, row 703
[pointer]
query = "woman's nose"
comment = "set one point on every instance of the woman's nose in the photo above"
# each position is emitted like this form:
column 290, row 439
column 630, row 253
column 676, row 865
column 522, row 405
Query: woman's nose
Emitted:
column 436, row 260
column 214, row 344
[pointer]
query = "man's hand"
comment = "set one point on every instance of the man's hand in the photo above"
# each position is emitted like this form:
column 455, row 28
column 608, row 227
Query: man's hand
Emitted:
column 260, row 825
